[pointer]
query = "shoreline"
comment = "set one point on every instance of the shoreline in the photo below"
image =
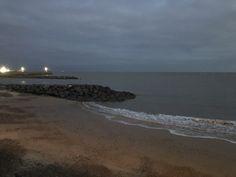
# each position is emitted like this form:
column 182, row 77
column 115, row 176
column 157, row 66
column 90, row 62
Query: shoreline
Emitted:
column 173, row 132
column 152, row 121
column 60, row 131
column 35, row 75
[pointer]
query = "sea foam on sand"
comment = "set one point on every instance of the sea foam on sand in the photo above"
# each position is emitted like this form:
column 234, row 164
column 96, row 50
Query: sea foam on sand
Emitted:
column 178, row 125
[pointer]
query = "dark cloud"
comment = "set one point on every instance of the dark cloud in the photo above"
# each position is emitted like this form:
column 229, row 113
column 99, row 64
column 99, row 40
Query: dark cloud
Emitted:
column 152, row 35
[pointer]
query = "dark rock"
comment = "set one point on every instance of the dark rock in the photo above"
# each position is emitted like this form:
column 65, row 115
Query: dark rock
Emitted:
column 74, row 92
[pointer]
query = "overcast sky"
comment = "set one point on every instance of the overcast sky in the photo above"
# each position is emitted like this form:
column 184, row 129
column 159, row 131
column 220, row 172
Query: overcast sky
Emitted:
column 119, row 35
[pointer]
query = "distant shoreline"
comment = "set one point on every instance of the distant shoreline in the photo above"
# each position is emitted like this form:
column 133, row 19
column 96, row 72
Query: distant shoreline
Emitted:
column 35, row 75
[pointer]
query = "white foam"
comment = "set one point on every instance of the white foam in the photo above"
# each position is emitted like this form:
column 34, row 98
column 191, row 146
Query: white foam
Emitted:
column 172, row 131
column 178, row 125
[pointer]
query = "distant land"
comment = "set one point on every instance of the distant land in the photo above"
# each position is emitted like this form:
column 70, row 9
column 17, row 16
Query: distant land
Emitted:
column 34, row 75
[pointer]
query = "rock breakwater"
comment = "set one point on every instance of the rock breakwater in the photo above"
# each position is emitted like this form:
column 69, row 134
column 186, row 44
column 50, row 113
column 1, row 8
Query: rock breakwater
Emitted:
column 83, row 93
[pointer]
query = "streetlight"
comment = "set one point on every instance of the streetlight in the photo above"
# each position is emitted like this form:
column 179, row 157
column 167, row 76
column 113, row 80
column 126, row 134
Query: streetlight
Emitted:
column 22, row 69
column 4, row 69
column 46, row 69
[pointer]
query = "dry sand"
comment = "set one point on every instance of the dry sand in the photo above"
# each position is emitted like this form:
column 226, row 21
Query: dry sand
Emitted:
column 48, row 136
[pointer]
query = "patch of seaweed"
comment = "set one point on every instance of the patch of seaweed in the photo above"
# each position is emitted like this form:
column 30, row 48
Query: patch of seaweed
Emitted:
column 12, row 164
column 51, row 170
column 10, row 157
column 57, row 170
column 63, row 170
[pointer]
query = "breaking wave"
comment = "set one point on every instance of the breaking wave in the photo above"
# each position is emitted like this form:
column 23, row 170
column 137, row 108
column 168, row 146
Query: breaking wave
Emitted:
column 178, row 125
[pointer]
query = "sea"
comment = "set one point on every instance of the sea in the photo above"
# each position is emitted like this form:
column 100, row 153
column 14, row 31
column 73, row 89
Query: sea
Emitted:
column 200, row 105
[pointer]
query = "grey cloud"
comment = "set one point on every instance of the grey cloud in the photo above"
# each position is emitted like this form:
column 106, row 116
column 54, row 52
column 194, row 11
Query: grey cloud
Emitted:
column 152, row 35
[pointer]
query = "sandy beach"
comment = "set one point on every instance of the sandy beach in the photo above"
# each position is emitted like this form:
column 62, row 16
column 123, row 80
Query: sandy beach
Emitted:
column 48, row 134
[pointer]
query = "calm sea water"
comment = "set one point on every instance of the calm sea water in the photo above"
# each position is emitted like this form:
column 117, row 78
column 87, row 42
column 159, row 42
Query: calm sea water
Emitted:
column 187, row 103
column 206, row 95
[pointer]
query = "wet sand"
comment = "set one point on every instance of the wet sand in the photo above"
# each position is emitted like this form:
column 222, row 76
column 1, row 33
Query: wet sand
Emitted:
column 47, row 136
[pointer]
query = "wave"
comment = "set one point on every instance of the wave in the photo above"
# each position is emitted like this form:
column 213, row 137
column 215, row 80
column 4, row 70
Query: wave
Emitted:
column 178, row 125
